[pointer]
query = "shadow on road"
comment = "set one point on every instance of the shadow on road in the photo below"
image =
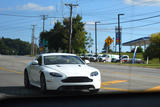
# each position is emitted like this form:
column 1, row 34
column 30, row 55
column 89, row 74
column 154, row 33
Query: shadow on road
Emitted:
column 35, row 92
column 19, row 91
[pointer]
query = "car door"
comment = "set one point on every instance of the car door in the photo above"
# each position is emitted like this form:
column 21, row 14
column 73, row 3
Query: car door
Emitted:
column 35, row 71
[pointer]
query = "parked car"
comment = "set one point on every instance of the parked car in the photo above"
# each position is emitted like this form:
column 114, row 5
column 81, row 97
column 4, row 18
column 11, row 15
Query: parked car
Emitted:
column 102, row 58
column 124, row 58
column 88, row 56
column 95, row 58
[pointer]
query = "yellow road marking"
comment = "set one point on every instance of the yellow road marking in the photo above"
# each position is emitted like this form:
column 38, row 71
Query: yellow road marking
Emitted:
column 157, row 88
column 116, row 89
column 113, row 82
column 4, row 69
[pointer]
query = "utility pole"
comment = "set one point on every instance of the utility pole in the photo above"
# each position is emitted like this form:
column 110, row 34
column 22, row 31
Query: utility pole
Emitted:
column 35, row 45
column 96, row 37
column 44, row 17
column 70, row 36
column 119, row 35
column 32, row 43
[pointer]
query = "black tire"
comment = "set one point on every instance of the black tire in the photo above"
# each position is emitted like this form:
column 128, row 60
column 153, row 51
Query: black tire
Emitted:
column 43, row 83
column 26, row 80
column 94, row 91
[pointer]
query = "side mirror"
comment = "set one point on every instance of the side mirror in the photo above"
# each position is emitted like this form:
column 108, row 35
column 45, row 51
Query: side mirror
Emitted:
column 35, row 62
column 87, row 61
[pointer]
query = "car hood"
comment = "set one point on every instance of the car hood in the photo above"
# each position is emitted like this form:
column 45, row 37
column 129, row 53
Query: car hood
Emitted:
column 72, row 69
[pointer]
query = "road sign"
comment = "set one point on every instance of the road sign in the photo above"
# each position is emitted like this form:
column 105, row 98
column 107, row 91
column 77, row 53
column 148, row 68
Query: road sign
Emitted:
column 109, row 40
column 41, row 49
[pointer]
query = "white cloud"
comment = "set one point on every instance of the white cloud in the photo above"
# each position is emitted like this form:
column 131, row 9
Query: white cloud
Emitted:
column 35, row 7
column 143, row 2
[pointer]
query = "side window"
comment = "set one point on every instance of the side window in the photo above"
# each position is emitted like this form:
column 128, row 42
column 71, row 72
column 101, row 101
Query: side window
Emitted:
column 39, row 60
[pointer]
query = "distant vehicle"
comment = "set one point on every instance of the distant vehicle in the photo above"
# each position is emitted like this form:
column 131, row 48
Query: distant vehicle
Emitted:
column 82, row 56
column 102, row 58
column 108, row 58
column 95, row 58
column 137, row 61
column 124, row 58
column 111, row 56
column 88, row 56
column 60, row 71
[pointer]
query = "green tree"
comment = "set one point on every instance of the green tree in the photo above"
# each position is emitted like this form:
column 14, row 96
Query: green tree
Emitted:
column 3, row 47
column 105, row 47
column 14, row 47
column 89, row 42
column 153, row 50
column 139, row 50
column 58, row 37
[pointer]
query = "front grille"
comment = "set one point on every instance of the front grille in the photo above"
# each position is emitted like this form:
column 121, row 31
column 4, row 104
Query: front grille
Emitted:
column 77, row 79
column 76, row 87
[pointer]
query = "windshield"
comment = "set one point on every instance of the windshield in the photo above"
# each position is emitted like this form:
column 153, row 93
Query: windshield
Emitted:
column 62, row 59
column 124, row 57
column 125, row 32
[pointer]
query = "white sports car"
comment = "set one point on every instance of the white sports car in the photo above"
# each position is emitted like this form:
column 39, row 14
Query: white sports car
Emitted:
column 61, row 71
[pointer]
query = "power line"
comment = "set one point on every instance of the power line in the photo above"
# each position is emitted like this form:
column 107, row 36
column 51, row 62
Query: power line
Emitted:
column 4, row 14
column 133, row 26
column 142, row 25
column 134, row 20
column 16, row 22
column 18, row 15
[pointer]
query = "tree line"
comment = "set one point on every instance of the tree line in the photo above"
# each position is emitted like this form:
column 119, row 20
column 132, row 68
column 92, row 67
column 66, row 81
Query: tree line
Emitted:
column 14, row 47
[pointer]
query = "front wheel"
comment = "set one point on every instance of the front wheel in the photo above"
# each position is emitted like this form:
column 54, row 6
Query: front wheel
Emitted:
column 43, row 83
column 26, row 80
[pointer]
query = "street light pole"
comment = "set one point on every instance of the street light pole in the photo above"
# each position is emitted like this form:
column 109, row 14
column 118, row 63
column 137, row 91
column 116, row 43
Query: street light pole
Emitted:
column 96, row 37
column 119, row 34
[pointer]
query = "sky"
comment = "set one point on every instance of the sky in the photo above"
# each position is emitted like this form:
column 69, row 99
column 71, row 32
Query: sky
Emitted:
column 105, row 11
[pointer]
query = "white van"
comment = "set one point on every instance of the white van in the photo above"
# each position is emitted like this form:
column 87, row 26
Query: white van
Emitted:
column 111, row 56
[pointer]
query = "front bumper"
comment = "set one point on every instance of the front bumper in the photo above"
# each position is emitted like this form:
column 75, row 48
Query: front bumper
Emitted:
column 57, row 84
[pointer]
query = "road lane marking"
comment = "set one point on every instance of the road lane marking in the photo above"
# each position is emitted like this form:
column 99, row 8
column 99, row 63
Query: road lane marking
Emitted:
column 157, row 88
column 113, row 82
column 115, row 89
column 133, row 75
column 4, row 69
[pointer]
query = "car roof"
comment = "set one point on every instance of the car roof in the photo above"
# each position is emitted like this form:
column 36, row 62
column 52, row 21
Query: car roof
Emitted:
column 50, row 54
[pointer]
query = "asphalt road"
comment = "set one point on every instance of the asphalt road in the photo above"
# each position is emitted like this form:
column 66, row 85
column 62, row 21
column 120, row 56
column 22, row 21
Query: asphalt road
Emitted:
column 115, row 78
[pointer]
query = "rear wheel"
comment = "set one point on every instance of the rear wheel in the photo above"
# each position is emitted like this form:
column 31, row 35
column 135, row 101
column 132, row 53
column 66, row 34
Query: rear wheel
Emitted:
column 43, row 83
column 26, row 80
column 94, row 91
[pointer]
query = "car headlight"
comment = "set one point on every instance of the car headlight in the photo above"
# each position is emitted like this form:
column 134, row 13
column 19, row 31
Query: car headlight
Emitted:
column 94, row 73
column 55, row 74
